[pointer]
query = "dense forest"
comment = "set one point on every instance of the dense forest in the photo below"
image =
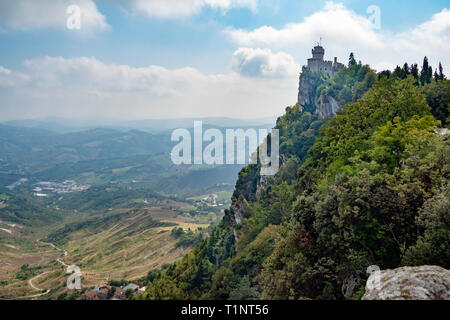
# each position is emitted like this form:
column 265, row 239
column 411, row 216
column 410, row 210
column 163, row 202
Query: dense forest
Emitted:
column 367, row 187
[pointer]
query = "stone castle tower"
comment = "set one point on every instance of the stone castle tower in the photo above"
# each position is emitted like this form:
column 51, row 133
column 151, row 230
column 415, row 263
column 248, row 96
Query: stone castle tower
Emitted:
column 325, row 106
column 318, row 64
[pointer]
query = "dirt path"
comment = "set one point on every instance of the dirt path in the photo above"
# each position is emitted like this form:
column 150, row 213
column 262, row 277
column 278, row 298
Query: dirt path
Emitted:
column 35, row 295
column 62, row 262
column 50, row 244
column 56, row 248
column 30, row 282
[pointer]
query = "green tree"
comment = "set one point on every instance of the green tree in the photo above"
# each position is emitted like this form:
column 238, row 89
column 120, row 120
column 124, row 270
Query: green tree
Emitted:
column 351, row 60
column 349, row 131
column 436, row 76
column 415, row 73
column 441, row 72
column 384, row 73
column 406, row 69
column 129, row 293
column 426, row 73
column 389, row 143
column 433, row 247
column 438, row 98
column 399, row 73
column 244, row 290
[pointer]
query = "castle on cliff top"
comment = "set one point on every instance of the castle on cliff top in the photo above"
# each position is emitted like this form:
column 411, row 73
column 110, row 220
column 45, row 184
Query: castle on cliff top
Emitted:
column 325, row 106
column 317, row 64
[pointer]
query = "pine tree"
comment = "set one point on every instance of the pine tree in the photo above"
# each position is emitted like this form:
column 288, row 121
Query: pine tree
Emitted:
column 415, row 73
column 351, row 60
column 398, row 72
column 441, row 72
column 406, row 69
column 427, row 72
column 430, row 74
column 436, row 76
column 384, row 73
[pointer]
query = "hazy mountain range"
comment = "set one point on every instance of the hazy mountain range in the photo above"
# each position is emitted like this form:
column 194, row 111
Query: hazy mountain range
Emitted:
column 64, row 125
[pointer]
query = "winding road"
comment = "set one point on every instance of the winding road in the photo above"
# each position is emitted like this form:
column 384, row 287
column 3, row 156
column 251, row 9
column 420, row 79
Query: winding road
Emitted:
column 30, row 281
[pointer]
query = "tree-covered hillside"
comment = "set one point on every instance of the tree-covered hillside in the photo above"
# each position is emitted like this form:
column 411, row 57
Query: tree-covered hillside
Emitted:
column 368, row 187
column 349, row 84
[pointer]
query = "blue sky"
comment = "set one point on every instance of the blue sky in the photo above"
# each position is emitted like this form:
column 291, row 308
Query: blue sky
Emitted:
column 158, row 55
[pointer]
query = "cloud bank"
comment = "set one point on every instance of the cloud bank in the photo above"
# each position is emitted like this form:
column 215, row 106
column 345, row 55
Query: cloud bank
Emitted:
column 263, row 78
column 25, row 15
column 87, row 87
column 263, row 63
column 343, row 31
column 186, row 8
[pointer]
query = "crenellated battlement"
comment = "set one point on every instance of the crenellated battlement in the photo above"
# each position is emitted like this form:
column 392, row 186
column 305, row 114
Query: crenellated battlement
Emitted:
column 318, row 64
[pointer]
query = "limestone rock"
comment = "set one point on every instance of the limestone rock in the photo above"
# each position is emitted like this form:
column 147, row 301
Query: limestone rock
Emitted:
column 261, row 186
column 409, row 283
column 326, row 106
column 238, row 209
column 306, row 91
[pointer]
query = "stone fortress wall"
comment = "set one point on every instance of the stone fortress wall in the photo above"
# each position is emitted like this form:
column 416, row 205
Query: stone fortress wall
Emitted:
column 318, row 64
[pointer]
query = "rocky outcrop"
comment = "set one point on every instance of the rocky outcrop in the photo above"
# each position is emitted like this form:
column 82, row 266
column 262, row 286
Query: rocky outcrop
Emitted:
column 326, row 106
column 238, row 209
column 261, row 186
column 306, row 90
column 409, row 283
column 263, row 179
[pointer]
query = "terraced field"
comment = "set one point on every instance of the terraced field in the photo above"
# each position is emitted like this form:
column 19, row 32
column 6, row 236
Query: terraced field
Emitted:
column 120, row 244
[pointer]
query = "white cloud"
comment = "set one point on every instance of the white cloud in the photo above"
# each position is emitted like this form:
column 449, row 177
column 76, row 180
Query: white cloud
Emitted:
column 184, row 8
column 32, row 14
column 433, row 35
column 4, row 70
column 334, row 21
column 344, row 31
column 9, row 78
column 263, row 63
column 5, row 79
column 264, row 81
column 85, row 86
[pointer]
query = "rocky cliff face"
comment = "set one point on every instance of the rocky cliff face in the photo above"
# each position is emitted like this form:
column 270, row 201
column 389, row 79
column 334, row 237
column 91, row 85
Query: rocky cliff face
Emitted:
column 409, row 283
column 238, row 207
column 324, row 106
column 306, row 91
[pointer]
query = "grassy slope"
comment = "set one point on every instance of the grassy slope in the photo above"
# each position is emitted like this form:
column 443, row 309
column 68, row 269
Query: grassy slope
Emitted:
column 122, row 244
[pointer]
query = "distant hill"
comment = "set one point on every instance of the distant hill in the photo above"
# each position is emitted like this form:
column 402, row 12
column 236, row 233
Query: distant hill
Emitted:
column 63, row 125
column 32, row 147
